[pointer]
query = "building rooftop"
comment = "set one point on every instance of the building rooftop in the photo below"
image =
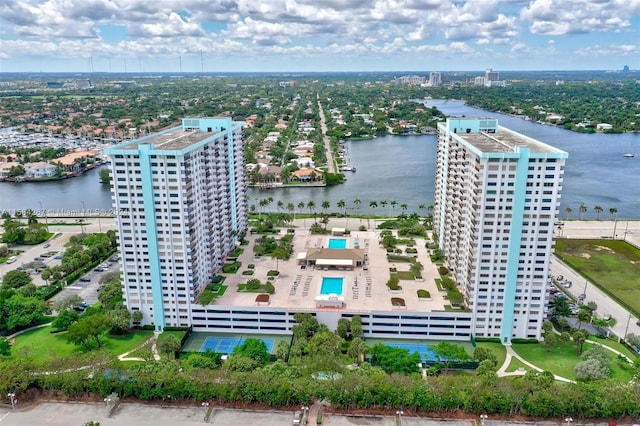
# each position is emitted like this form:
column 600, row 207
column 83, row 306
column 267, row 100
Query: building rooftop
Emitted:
column 173, row 140
column 362, row 290
column 505, row 140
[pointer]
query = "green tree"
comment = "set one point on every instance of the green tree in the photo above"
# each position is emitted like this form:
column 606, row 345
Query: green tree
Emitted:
column 137, row 317
column 119, row 320
column 105, row 175
column 324, row 344
column 447, row 353
column 579, row 337
column 243, row 363
column 15, row 279
column 584, row 315
column 282, row 350
column 64, row 319
column 68, row 302
column 583, row 209
column 357, row 349
column 5, row 347
column 19, row 311
column 394, row 360
column 254, row 349
column 343, row 328
column 482, row 354
column 341, row 205
column 550, row 339
column 356, row 327
column 88, row 330
column 279, row 253
column 169, row 345
column 111, row 295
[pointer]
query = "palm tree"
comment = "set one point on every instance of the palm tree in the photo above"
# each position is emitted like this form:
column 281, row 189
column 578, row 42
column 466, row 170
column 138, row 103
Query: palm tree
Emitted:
column 373, row 204
column 291, row 208
column 280, row 205
column 404, row 207
column 301, row 207
column 384, row 203
column 32, row 218
column 614, row 212
column 583, row 209
column 312, row 206
column 278, row 254
column 598, row 210
column 422, row 207
column 341, row 205
column 568, row 210
column 393, row 203
column 357, row 202
column 325, row 206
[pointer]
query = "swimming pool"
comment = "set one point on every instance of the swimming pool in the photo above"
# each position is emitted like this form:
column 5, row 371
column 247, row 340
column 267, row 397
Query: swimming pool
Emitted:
column 337, row 243
column 331, row 285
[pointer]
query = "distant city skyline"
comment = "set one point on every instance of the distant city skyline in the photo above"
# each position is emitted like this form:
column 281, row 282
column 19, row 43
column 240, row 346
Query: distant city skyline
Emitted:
column 317, row 35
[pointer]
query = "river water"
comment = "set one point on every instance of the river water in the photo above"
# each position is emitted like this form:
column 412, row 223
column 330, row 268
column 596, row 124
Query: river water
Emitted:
column 402, row 168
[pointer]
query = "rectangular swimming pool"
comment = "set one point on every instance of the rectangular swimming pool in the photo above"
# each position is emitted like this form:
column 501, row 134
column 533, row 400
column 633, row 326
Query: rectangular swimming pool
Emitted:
column 337, row 243
column 331, row 285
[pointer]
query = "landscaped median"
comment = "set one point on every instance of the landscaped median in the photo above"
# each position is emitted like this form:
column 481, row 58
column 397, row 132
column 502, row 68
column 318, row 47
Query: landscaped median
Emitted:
column 612, row 265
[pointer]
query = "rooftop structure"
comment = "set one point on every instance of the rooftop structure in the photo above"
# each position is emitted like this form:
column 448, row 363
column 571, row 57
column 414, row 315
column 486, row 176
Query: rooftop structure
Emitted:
column 183, row 197
column 497, row 198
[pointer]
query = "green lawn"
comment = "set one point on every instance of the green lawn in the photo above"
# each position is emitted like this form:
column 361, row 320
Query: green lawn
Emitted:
column 515, row 364
column 498, row 350
column 612, row 265
column 563, row 359
column 43, row 346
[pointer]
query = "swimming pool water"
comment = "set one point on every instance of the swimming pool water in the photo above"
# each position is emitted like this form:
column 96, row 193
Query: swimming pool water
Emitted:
column 331, row 285
column 337, row 243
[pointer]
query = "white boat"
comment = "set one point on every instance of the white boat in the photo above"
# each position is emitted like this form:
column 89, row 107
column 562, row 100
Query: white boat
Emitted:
column 629, row 155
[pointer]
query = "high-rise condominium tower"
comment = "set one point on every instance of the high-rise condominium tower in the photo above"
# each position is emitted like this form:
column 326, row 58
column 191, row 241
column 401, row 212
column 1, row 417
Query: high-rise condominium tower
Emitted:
column 496, row 202
column 181, row 198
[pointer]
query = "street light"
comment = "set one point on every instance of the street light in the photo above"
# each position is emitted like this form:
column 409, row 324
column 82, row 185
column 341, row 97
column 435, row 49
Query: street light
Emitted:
column 399, row 413
column 46, row 219
column 14, row 400
column 483, row 417
column 84, row 209
column 627, row 327
column 305, row 410
column 568, row 420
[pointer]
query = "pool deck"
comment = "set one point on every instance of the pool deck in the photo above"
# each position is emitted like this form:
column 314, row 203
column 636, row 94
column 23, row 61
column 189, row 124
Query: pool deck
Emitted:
column 362, row 290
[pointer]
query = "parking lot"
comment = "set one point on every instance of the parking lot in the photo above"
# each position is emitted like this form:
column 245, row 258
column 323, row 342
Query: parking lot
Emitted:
column 88, row 286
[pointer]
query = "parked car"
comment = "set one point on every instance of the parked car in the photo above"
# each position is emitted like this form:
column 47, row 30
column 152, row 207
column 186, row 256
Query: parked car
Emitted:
column 98, row 270
column 47, row 245
column 85, row 280
column 58, row 256
column 45, row 255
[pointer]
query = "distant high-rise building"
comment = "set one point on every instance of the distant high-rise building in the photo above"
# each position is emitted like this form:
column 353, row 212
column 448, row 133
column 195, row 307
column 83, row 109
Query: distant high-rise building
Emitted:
column 435, row 79
column 181, row 198
column 625, row 69
column 496, row 203
column 491, row 75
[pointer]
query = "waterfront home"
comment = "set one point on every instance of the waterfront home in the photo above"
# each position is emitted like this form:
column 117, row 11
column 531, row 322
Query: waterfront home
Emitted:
column 40, row 170
column 5, row 168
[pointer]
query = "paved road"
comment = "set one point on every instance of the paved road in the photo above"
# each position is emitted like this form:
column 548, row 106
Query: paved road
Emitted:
column 67, row 414
column 327, row 144
column 606, row 306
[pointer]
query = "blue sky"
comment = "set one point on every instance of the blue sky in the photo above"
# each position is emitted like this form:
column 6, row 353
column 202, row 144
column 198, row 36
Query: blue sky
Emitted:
column 317, row 35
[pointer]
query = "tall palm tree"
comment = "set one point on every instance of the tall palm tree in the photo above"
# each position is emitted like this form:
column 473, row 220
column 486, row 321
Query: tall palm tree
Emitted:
column 373, row 204
column 598, row 210
column 291, row 208
column 568, row 210
column 325, row 206
column 357, row 202
column 384, row 203
column 312, row 207
column 31, row 217
column 301, row 207
column 583, row 209
column 393, row 203
column 280, row 205
column 341, row 205
column 614, row 212
column 422, row 207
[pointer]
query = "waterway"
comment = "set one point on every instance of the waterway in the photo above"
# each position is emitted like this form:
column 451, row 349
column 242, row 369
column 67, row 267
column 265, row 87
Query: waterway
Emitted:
column 402, row 168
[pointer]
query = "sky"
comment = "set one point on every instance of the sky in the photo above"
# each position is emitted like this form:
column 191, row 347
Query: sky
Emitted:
column 317, row 35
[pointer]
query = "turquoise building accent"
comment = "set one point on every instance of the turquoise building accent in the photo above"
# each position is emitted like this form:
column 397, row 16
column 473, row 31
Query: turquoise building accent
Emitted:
column 515, row 237
column 152, row 234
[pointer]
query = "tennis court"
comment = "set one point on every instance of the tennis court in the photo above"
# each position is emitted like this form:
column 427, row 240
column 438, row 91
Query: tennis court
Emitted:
column 422, row 347
column 226, row 345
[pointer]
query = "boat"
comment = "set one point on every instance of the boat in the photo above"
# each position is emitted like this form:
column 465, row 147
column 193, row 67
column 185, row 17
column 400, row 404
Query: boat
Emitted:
column 629, row 155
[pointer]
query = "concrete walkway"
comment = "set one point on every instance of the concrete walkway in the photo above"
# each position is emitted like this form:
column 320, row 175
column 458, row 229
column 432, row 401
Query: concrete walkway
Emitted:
column 512, row 354
column 153, row 341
